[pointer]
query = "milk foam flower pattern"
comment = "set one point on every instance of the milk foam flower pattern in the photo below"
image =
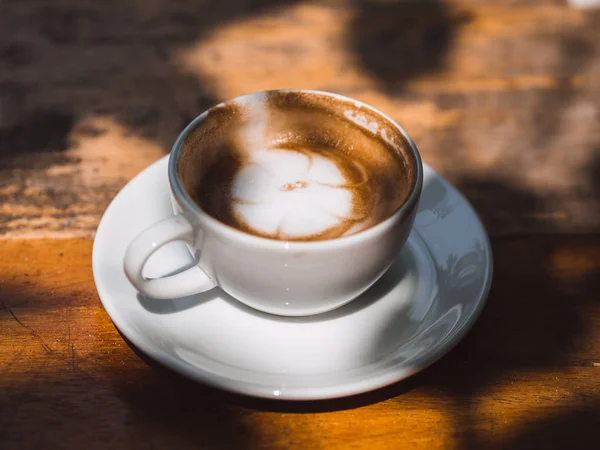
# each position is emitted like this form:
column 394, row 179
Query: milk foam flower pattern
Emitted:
column 291, row 194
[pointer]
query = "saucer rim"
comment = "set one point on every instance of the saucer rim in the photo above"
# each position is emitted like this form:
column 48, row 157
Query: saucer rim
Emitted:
column 351, row 388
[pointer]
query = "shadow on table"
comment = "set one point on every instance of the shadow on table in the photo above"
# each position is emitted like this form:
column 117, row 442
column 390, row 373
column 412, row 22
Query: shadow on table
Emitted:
column 575, row 428
column 65, row 62
column 533, row 318
column 397, row 41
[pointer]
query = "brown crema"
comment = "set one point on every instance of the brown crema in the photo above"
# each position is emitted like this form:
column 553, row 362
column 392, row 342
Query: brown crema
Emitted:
column 373, row 156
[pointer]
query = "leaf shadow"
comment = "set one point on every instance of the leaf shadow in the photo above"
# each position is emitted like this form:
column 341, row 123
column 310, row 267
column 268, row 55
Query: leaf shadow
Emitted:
column 398, row 41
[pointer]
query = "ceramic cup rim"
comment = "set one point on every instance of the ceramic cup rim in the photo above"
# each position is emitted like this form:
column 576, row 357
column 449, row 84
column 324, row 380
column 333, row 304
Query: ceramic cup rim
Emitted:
column 208, row 223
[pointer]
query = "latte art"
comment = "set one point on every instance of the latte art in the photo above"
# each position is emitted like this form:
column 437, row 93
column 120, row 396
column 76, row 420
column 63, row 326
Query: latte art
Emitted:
column 297, row 167
column 288, row 194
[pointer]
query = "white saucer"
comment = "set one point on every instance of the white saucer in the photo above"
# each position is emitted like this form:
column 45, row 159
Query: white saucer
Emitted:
column 416, row 313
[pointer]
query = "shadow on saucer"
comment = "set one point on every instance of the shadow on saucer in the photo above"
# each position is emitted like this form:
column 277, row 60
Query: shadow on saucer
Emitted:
column 156, row 306
column 171, row 306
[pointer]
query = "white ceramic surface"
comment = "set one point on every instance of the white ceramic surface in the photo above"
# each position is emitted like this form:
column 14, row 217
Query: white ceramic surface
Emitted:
column 275, row 276
column 414, row 314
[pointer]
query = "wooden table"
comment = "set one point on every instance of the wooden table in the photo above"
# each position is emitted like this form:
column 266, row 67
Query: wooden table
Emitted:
column 502, row 99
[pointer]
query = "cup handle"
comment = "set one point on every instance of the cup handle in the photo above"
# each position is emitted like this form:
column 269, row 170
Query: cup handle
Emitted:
column 191, row 281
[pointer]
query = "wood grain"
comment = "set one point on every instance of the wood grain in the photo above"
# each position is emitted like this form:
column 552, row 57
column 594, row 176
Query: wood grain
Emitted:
column 501, row 98
column 527, row 376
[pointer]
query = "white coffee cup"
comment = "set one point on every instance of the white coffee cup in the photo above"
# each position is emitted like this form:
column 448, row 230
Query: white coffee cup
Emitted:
column 274, row 276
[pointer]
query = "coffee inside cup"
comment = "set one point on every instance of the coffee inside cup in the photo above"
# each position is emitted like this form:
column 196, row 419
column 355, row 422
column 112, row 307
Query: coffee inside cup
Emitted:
column 296, row 166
